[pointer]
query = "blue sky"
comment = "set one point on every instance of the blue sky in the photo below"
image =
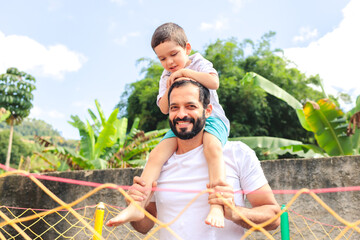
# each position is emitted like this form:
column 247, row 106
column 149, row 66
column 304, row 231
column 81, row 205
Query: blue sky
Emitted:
column 80, row 51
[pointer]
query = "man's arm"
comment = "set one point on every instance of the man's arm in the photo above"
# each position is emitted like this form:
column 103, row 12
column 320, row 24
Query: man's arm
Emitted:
column 262, row 200
column 143, row 226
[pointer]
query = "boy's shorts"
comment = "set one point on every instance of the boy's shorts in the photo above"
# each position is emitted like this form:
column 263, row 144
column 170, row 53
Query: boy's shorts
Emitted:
column 214, row 126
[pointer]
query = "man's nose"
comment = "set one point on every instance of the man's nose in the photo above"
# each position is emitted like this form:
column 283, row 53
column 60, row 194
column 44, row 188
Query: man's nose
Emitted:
column 182, row 113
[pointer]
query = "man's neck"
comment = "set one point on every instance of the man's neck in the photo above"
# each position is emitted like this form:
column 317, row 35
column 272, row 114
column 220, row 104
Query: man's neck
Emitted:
column 185, row 146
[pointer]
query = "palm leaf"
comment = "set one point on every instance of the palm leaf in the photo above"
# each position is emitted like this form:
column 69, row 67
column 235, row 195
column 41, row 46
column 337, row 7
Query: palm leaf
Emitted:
column 271, row 88
column 329, row 126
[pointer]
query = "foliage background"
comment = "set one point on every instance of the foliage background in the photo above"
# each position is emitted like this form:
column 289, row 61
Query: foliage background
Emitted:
column 251, row 111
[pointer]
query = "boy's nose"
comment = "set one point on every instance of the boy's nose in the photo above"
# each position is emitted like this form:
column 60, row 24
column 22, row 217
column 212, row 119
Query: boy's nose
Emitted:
column 170, row 61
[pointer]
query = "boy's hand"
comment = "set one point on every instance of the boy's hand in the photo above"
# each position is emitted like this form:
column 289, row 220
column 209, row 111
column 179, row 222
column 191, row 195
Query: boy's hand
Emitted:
column 175, row 75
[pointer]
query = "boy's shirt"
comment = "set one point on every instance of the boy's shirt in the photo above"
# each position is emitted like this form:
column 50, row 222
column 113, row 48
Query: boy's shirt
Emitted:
column 199, row 64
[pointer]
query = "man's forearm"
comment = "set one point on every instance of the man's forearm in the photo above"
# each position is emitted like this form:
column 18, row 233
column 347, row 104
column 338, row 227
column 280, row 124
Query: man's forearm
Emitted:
column 143, row 226
column 256, row 215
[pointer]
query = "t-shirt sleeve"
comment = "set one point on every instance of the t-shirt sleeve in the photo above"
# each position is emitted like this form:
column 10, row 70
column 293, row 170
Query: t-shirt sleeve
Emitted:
column 200, row 64
column 162, row 86
column 251, row 174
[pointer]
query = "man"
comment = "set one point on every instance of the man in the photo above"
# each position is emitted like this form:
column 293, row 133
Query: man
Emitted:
column 186, row 172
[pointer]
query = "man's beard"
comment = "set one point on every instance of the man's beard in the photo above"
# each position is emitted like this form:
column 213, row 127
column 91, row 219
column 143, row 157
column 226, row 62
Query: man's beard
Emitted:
column 198, row 125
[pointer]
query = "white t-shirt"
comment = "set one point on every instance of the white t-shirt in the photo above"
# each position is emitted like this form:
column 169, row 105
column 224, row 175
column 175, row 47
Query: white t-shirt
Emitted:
column 199, row 64
column 189, row 172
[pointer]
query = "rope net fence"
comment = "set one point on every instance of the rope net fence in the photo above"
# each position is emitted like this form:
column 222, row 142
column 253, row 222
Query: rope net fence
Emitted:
column 68, row 222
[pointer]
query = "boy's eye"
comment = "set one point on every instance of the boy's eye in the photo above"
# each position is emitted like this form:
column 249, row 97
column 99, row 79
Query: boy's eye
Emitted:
column 174, row 54
column 161, row 59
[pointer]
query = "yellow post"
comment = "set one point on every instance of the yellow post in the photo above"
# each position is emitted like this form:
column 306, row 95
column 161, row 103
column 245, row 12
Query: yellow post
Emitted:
column 99, row 219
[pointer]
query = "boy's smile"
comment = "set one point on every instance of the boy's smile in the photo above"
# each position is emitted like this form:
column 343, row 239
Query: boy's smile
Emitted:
column 172, row 56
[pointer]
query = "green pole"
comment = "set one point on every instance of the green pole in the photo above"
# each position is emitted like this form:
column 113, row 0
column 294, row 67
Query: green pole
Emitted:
column 284, row 224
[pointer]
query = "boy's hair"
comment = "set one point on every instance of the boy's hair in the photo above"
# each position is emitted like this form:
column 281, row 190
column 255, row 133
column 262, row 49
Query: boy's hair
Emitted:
column 169, row 32
column 204, row 93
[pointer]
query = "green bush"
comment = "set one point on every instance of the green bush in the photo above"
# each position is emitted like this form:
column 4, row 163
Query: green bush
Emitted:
column 19, row 147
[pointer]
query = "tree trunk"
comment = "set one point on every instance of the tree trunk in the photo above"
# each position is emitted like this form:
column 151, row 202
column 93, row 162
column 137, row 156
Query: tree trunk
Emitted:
column 7, row 163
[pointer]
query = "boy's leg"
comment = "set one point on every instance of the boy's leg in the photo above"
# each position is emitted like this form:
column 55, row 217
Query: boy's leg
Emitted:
column 158, row 156
column 216, row 165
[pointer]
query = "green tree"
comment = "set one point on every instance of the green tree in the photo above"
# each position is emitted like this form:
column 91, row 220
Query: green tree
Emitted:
column 20, row 147
column 16, row 95
column 334, row 133
column 31, row 127
column 251, row 111
column 4, row 114
column 139, row 99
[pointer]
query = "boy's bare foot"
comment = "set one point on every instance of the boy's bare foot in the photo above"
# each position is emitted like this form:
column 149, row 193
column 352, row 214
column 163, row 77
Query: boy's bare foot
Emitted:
column 129, row 214
column 215, row 217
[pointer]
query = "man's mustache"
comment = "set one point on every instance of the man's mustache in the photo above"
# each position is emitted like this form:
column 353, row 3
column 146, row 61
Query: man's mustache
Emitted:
column 184, row 119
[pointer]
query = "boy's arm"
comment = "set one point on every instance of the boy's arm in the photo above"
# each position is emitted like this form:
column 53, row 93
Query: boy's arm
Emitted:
column 209, row 80
column 164, row 103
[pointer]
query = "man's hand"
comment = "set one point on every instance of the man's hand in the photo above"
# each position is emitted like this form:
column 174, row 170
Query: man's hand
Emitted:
column 227, row 196
column 138, row 190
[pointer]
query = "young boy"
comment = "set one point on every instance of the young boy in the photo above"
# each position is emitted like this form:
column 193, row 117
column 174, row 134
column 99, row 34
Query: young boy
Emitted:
column 172, row 48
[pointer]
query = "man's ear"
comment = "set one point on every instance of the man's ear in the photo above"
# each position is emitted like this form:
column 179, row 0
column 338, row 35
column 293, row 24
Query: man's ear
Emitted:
column 208, row 110
column 188, row 48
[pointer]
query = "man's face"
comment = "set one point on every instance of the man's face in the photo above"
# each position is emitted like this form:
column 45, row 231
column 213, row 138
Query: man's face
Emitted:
column 186, row 113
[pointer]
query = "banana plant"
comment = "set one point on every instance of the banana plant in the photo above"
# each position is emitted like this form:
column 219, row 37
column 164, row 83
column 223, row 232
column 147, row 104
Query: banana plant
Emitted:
column 105, row 143
column 328, row 123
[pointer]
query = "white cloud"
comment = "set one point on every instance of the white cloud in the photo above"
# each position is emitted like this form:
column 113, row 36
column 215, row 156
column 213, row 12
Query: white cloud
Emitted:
column 219, row 24
column 39, row 113
column 124, row 39
column 31, row 56
column 306, row 34
column 335, row 56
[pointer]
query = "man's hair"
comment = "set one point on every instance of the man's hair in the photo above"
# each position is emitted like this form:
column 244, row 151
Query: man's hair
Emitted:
column 204, row 93
column 169, row 32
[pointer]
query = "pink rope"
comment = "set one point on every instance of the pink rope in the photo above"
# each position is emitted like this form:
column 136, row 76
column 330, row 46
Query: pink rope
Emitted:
column 94, row 184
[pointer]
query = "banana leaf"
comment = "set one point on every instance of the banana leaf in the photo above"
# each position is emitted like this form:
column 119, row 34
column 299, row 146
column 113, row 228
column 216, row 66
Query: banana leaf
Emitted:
column 275, row 145
column 256, row 80
column 329, row 125
column 106, row 136
column 101, row 113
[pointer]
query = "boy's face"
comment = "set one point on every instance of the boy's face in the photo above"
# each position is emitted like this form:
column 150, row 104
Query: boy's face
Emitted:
column 172, row 56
